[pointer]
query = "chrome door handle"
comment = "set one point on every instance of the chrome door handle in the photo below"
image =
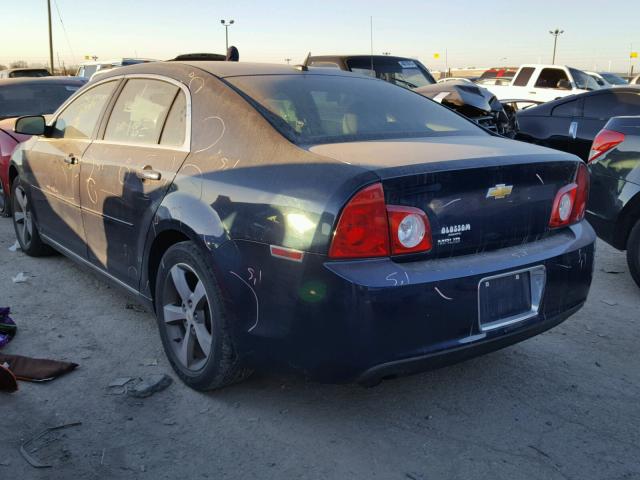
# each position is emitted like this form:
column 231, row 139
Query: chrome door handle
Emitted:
column 573, row 130
column 148, row 174
column 71, row 159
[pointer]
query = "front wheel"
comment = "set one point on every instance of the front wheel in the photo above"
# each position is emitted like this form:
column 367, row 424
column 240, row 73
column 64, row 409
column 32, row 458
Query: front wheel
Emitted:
column 194, row 322
column 633, row 252
column 26, row 229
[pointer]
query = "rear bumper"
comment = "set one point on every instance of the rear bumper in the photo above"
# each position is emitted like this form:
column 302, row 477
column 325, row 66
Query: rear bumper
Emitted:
column 364, row 320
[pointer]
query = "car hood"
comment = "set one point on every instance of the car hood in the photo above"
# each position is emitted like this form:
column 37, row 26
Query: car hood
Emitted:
column 402, row 156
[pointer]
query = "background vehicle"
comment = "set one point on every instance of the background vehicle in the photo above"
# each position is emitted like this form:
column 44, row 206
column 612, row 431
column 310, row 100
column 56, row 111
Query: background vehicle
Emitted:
column 463, row 96
column 87, row 69
column 614, row 201
column 606, row 79
column 494, row 81
column 303, row 249
column 545, row 83
column 498, row 73
column 570, row 124
column 26, row 96
column 24, row 72
column 454, row 79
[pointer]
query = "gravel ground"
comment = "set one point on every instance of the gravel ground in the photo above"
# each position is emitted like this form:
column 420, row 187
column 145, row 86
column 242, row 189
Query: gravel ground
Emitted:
column 563, row 405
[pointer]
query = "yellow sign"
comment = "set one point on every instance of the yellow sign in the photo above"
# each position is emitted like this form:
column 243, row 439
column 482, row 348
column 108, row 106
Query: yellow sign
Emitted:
column 499, row 191
column 634, row 55
column 436, row 55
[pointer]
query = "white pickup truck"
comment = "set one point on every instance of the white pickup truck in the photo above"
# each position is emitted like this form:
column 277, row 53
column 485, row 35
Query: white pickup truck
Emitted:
column 543, row 83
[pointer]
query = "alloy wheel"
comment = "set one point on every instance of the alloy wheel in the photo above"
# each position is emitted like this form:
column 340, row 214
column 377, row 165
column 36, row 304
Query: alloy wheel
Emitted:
column 22, row 217
column 187, row 317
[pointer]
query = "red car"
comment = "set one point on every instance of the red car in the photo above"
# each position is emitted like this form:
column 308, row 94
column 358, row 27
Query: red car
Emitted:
column 26, row 96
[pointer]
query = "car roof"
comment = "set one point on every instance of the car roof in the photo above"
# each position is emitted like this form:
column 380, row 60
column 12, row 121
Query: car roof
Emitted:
column 42, row 80
column 548, row 106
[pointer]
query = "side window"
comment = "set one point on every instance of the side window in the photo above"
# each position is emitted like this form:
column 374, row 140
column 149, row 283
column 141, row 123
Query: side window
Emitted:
column 175, row 127
column 612, row 104
column 567, row 109
column 140, row 111
column 549, row 78
column 80, row 117
column 523, row 77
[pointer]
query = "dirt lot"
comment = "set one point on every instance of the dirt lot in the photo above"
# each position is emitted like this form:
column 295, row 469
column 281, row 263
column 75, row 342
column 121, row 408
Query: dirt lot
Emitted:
column 561, row 405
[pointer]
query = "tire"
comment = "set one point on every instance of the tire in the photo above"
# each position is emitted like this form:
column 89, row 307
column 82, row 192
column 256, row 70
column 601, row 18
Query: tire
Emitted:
column 633, row 252
column 5, row 202
column 190, row 308
column 23, row 224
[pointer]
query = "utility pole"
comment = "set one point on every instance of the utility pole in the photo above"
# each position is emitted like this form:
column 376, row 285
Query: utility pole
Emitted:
column 556, row 33
column 226, row 26
column 50, row 38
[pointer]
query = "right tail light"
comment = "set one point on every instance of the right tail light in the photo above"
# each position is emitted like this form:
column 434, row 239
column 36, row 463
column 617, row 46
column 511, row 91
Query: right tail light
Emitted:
column 570, row 203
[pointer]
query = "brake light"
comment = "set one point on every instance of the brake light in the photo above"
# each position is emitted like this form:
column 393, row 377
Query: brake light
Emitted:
column 363, row 229
column 369, row 228
column 570, row 203
column 604, row 141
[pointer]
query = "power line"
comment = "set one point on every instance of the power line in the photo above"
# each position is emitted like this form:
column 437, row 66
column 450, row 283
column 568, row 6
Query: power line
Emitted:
column 64, row 29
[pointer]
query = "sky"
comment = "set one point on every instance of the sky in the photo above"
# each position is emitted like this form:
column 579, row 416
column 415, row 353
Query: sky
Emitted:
column 472, row 33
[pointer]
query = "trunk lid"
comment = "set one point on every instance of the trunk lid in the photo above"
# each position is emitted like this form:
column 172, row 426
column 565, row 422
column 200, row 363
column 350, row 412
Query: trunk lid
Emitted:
column 480, row 193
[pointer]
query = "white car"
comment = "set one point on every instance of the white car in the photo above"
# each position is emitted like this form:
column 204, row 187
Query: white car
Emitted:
column 544, row 83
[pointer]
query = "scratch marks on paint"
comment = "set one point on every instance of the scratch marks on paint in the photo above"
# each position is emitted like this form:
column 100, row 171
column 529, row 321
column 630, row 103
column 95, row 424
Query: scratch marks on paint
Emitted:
column 398, row 281
column 540, row 178
column 451, row 203
column 254, row 295
column 213, row 124
column 195, row 83
column 442, row 294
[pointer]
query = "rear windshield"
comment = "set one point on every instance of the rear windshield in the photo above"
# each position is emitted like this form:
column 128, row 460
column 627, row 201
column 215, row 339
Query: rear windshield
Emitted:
column 36, row 99
column 311, row 109
column 402, row 72
column 613, row 79
column 29, row 73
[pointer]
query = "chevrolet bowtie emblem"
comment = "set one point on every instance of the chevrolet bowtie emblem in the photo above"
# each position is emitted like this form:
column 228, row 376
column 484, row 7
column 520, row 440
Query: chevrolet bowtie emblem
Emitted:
column 499, row 191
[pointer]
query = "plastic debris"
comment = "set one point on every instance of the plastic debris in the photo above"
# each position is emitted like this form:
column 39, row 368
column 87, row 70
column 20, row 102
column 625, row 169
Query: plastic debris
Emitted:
column 15, row 247
column 150, row 385
column 20, row 278
column 25, row 447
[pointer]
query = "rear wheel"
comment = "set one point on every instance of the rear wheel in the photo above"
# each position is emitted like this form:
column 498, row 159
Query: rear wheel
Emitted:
column 193, row 321
column 633, row 252
column 26, row 229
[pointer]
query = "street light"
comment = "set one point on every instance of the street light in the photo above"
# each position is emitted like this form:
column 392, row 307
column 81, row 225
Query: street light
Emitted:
column 386, row 53
column 556, row 33
column 288, row 60
column 226, row 26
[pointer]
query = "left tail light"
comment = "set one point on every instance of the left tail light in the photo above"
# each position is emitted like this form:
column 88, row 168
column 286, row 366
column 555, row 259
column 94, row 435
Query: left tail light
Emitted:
column 605, row 141
column 570, row 203
column 368, row 227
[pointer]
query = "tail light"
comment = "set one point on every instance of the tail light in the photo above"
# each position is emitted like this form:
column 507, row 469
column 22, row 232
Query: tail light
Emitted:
column 570, row 203
column 604, row 141
column 369, row 228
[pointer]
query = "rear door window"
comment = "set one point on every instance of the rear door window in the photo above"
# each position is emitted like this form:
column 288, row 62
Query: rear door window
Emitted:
column 550, row 77
column 174, row 131
column 567, row 109
column 522, row 79
column 140, row 111
column 612, row 104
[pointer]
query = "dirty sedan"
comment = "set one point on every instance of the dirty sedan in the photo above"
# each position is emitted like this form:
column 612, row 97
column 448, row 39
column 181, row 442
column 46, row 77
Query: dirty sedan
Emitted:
column 278, row 217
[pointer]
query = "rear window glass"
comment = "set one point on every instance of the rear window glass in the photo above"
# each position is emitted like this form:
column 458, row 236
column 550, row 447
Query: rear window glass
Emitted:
column 321, row 108
column 523, row 77
column 611, row 104
column 550, row 78
column 403, row 72
column 36, row 99
column 567, row 109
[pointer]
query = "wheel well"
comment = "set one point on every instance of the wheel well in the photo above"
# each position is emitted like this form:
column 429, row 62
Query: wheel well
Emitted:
column 628, row 218
column 160, row 245
column 13, row 173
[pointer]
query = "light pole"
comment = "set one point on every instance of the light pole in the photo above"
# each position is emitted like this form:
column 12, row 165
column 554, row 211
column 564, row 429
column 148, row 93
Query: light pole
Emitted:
column 226, row 26
column 50, row 38
column 288, row 60
column 556, row 33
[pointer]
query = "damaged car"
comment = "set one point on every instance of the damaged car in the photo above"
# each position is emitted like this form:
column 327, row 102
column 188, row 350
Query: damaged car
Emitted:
column 278, row 217
column 463, row 96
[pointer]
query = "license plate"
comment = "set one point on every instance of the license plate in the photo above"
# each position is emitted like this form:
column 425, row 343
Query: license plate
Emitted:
column 510, row 298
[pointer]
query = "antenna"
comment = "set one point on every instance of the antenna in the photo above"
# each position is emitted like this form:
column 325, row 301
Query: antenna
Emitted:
column 306, row 60
column 371, row 34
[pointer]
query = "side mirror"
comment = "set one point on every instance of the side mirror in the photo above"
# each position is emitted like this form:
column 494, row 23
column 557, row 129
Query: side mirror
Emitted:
column 31, row 125
column 564, row 85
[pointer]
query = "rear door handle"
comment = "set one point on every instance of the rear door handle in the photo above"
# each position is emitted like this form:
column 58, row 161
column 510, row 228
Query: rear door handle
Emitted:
column 573, row 130
column 147, row 173
column 71, row 159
